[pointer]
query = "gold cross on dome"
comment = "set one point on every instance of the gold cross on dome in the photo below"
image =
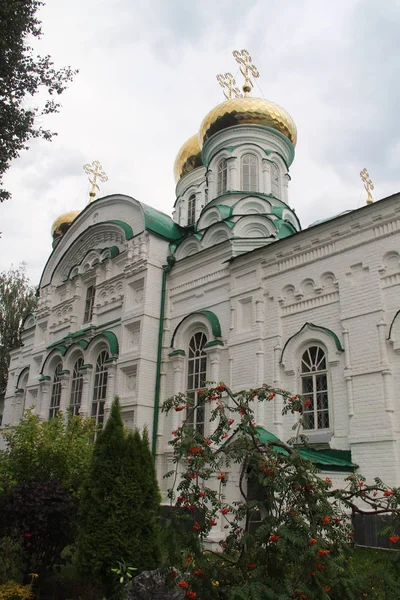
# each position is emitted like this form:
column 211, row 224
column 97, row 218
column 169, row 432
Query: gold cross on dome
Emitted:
column 95, row 169
column 246, row 68
column 367, row 184
column 227, row 81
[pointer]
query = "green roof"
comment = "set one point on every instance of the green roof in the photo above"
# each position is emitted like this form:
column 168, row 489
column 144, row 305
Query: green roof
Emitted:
column 326, row 459
column 160, row 223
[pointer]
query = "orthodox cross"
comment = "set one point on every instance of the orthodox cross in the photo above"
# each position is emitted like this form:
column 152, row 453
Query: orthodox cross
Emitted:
column 367, row 184
column 227, row 81
column 246, row 68
column 95, row 169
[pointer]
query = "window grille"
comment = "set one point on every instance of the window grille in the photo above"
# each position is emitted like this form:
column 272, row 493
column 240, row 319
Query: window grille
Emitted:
column 249, row 173
column 191, row 210
column 89, row 303
column 100, row 388
column 314, row 380
column 197, row 376
column 222, row 177
column 76, row 388
column 55, row 392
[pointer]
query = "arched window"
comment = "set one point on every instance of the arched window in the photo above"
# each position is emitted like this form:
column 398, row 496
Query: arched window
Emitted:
column 249, row 173
column 275, row 181
column 222, row 176
column 89, row 303
column 76, row 387
column 100, row 387
column 314, row 383
column 55, row 392
column 197, row 376
column 191, row 210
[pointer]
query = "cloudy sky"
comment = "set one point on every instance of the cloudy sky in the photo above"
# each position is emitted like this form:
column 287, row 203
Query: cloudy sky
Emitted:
column 147, row 78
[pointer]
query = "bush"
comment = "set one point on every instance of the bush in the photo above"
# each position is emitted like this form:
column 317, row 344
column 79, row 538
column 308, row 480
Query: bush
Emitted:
column 14, row 591
column 43, row 515
column 60, row 448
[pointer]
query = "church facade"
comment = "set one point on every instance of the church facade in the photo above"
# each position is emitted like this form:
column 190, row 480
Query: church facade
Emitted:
column 230, row 289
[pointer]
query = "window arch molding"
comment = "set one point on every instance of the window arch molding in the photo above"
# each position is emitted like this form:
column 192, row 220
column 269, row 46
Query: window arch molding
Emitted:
column 106, row 340
column 52, row 359
column 309, row 335
column 205, row 321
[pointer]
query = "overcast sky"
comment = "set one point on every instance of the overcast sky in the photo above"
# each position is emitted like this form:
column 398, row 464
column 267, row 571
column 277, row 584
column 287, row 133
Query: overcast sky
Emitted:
column 147, row 78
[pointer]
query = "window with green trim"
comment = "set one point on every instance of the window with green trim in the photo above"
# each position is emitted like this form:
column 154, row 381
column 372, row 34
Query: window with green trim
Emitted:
column 314, row 383
column 197, row 377
column 76, row 387
column 55, row 399
column 100, row 388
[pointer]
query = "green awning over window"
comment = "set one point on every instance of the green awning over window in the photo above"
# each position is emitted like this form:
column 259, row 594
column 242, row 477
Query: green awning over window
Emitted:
column 326, row 459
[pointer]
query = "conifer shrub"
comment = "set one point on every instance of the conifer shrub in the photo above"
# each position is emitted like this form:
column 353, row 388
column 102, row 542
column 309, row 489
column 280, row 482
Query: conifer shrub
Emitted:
column 116, row 512
column 291, row 540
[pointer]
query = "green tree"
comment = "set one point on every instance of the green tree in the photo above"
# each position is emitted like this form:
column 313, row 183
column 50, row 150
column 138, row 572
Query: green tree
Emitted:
column 113, row 510
column 60, row 448
column 22, row 76
column 289, row 535
column 17, row 300
column 149, row 523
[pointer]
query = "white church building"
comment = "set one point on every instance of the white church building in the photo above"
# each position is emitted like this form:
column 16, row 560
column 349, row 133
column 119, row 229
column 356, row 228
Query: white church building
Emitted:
column 230, row 289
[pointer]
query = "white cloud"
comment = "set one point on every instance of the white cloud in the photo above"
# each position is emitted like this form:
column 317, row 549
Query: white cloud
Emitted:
column 147, row 79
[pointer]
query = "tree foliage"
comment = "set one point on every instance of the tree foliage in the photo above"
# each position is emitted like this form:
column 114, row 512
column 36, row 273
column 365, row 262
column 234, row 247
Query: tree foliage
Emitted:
column 289, row 535
column 60, row 448
column 22, row 76
column 117, row 520
column 17, row 300
column 42, row 514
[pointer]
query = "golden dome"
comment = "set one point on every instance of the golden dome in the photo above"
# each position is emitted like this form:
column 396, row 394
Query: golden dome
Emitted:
column 63, row 223
column 188, row 158
column 247, row 111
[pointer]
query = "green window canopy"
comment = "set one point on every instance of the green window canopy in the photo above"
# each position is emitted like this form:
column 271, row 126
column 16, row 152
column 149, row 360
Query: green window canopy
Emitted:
column 326, row 459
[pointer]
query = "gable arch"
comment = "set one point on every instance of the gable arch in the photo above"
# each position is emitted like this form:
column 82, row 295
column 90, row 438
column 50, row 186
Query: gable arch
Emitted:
column 216, row 234
column 188, row 247
column 256, row 226
column 252, row 205
column 309, row 334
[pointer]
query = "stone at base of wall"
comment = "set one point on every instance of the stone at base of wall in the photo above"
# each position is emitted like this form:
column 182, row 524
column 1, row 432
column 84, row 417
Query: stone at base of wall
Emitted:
column 150, row 585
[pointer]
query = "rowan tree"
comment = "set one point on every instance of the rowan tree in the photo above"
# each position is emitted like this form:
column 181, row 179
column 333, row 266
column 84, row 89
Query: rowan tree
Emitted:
column 22, row 76
column 289, row 535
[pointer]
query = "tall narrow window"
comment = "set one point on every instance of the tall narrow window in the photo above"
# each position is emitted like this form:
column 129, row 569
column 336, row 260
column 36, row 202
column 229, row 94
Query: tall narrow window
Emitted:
column 191, row 210
column 222, row 177
column 275, row 181
column 89, row 303
column 76, row 388
column 55, row 392
column 249, row 173
column 100, row 388
column 315, row 388
column 197, row 375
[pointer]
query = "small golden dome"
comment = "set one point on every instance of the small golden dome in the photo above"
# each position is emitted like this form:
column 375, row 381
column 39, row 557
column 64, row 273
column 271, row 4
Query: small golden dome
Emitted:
column 247, row 111
column 63, row 223
column 188, row 158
